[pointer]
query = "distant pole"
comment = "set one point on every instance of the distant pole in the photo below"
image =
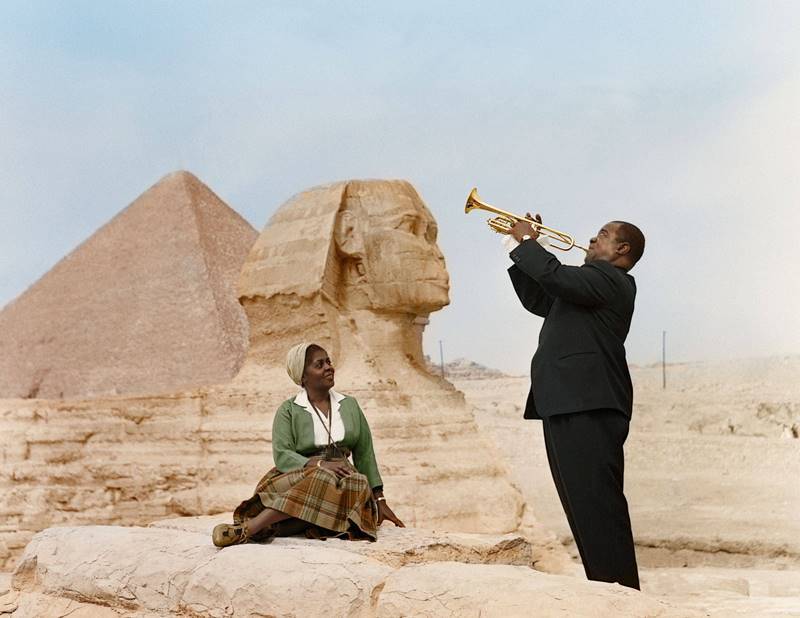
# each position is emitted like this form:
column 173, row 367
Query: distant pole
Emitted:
column 663, row 359
column 441, row 356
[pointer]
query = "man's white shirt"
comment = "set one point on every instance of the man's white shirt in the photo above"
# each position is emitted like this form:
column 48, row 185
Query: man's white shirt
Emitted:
column 510, row 243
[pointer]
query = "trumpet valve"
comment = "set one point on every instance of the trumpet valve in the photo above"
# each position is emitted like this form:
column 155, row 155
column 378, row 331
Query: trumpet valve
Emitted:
column 500, row 224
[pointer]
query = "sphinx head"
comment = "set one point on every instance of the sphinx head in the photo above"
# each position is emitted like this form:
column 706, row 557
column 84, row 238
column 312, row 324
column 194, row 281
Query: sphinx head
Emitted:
column 333, row 256
column 385, row 240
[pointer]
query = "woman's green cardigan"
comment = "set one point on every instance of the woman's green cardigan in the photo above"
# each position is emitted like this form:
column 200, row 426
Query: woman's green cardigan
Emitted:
column 293, row 438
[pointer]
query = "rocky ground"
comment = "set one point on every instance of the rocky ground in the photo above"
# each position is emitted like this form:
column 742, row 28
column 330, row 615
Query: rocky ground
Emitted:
column 712, row 464
column 171, row 568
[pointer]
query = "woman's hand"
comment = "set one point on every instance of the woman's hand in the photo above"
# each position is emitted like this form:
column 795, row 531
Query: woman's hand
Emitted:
column 384, row 513
column 339, row 467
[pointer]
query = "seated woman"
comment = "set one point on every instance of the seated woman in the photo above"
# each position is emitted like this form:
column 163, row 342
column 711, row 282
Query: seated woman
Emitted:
column 313, row 485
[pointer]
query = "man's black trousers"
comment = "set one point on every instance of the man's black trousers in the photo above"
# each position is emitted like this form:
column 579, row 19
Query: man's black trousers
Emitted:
column 586, row 459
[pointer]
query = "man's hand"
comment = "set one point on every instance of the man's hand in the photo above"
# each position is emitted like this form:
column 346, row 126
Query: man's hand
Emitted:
column 384, row 513
column 522, row 228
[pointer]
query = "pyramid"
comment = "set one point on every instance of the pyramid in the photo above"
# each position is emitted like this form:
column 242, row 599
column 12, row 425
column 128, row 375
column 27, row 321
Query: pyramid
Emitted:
column 145, row 305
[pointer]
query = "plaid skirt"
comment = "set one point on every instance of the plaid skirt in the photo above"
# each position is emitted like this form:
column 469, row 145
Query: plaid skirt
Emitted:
column 329, row 505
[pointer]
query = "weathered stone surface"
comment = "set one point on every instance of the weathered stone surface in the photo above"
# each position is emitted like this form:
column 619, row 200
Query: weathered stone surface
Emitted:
column 355, row 267
column 398, row 546
column 727, row 592
column 37, row 605
column 145, row 305
column 130, row 460
column 502, row 591
column 9, row 602
column 736, row 582
column 167, row 570
column 8, row 597
column 151, row 569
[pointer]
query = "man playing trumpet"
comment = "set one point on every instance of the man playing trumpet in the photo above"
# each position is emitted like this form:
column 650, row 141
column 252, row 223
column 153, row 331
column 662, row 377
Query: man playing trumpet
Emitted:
column 580, row 385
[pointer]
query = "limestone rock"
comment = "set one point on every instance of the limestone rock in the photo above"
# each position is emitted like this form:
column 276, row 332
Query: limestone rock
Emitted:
column 398, row 546
column 9, row 602
column 728, row 592
column 145, row 305
column 150, row 569
column 354, row 266
column 502, row 591
column 166, row 570
column 37, row 605
column 133, row 460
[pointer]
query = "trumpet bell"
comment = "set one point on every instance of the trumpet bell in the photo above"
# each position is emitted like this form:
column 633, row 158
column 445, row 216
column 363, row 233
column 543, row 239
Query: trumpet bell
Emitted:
column 473, row 201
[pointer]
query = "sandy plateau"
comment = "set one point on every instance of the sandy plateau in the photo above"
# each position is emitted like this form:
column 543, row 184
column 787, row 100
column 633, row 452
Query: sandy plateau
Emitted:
column 712, row 469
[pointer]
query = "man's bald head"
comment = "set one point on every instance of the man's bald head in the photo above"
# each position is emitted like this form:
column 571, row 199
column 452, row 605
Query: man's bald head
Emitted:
column 629, row 233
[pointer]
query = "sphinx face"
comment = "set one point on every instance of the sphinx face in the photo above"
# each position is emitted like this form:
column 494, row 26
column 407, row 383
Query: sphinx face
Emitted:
column 401, row 268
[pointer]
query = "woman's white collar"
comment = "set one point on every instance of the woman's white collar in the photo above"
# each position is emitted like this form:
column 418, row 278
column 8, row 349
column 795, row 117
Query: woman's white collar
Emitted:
column 301, row 399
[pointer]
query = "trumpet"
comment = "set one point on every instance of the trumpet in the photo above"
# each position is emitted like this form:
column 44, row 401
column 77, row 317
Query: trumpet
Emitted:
column 503, row 221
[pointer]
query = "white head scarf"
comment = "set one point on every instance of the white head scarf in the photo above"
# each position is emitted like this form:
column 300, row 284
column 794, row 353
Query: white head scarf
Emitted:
column 296, row 362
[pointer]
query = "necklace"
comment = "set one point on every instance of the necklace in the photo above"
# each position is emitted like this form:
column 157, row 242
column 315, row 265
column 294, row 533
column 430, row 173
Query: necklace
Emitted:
column 331, row 450
column 329, row 426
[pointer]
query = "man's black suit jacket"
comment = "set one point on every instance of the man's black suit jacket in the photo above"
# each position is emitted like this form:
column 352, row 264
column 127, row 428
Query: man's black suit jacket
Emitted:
column 580, row 362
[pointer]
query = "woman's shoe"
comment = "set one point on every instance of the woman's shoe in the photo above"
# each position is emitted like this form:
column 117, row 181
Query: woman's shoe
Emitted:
column 225, row 535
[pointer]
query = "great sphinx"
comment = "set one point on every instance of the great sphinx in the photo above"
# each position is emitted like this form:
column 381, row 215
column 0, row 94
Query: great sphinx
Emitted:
column 353, row 266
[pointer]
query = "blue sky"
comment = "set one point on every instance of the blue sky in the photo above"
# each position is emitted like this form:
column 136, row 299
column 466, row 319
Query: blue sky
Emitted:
column 679, row 116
